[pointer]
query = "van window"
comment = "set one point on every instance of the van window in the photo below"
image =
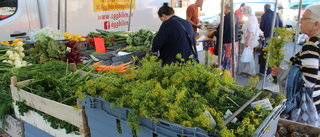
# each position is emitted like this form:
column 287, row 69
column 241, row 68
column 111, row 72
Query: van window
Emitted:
column 7, row 8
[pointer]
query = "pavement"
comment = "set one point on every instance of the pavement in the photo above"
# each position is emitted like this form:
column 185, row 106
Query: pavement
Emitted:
column 241, row 80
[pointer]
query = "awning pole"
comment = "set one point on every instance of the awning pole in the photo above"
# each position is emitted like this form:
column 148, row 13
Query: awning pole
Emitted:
column 234, row 61
column 268, row 54
column 297, row 29
column 129, row 24
column 221, row 33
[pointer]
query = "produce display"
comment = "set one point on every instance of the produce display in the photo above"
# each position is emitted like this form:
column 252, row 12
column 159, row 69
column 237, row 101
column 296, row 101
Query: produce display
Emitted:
column 190, row 94
column 13, row 55
column 180, row 94
column 140, row 40
column 111, row 38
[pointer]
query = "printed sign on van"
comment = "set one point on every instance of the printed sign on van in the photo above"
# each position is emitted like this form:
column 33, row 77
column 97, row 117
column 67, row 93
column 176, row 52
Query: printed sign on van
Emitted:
column 111, row 5
column 115, row 20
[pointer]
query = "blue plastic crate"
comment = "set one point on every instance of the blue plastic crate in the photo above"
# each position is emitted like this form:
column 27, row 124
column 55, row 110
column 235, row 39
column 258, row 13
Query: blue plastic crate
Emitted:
column 103, row 121
column 106, row 121
column 31, row 131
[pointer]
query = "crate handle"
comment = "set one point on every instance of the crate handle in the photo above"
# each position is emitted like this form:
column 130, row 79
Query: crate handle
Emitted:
column 14, row 81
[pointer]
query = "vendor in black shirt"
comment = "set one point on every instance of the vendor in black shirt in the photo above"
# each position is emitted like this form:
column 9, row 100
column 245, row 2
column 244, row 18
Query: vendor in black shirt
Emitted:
column 172, row 37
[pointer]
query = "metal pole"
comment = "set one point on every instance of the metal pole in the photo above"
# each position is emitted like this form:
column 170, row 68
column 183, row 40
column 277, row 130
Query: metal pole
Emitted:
column 272, row 27
column 297, row 29
column 221, row 33
column 129, row 24
column 233, row 40
column 65, row 16
column 59, row 12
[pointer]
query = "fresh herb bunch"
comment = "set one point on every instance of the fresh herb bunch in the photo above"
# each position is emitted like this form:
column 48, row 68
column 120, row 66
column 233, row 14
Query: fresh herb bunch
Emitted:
column 53, row 80
column 24, row 73
column 59, row 86
column 6, row 107
column 179, row 93
column 276, row 44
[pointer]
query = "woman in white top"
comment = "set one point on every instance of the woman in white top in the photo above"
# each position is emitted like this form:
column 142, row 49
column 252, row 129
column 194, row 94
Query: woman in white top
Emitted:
column 251, row 31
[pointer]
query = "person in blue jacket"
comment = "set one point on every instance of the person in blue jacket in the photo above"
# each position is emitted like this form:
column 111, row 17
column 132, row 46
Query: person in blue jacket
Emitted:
column 175, row 36
column 266, row 28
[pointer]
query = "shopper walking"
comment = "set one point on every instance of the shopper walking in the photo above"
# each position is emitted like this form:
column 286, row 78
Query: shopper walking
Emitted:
column 175, row 36
column 250, row 37
column 266, row 28
column 193, row 15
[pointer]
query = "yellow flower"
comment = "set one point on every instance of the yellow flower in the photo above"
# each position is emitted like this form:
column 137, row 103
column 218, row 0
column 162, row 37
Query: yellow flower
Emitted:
column 258, row 107
column 186, row 123
column 246, row 121
column 252, row 114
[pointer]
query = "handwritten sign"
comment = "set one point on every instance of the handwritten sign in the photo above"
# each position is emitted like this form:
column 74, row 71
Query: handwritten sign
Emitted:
column 112, row 5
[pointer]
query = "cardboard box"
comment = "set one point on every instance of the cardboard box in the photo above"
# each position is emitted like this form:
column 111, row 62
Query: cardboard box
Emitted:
column 303, row 128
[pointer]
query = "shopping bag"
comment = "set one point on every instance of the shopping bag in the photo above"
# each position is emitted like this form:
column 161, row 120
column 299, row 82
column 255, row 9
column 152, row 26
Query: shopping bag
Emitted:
column 306, row 112
column 247, row 55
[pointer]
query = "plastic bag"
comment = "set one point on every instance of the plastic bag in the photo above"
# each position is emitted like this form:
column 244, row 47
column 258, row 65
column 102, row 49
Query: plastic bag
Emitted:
column 306, row 112
column 247, row 55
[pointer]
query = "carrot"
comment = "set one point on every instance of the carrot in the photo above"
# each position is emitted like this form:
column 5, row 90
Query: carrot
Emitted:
column 120, row 68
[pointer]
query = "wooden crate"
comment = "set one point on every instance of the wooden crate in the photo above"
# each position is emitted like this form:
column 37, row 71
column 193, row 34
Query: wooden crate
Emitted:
column 13, row 128
column 58, row 110
column 3, row 134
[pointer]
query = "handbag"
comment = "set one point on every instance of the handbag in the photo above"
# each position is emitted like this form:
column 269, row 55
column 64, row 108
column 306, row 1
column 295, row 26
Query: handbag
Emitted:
column 190, row 42
column 306, row 112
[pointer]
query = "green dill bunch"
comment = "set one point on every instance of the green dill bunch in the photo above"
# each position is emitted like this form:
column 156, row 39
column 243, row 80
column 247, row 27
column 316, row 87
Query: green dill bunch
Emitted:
column 276, row 44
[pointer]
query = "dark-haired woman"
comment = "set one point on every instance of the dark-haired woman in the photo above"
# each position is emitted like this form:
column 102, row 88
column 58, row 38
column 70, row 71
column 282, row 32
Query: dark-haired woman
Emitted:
column 175, row 36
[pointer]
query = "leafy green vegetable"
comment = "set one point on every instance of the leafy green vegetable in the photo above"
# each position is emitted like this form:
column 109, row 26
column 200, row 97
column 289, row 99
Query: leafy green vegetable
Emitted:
column 46, row 50
column 143, row 37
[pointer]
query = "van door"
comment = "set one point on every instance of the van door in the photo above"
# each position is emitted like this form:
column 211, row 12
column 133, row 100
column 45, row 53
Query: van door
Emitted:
column 18, row 18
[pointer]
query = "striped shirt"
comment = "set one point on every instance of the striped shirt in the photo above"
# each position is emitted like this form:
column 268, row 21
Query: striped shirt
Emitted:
column 308, row 59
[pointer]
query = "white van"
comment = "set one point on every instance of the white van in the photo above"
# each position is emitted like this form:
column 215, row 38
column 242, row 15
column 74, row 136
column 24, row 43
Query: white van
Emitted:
column 20, row 17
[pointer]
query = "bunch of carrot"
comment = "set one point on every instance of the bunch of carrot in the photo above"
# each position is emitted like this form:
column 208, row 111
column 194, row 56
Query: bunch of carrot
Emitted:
column 112, row 68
